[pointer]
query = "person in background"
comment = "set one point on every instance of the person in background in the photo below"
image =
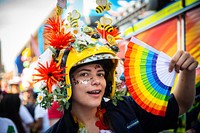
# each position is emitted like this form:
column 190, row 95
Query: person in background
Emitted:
column 27, row 119
column 41, row 118
column 7, row 125
column 31, row 102
column 10, row 105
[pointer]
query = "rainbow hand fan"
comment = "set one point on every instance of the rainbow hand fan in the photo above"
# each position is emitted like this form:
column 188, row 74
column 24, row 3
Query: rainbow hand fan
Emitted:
column 147, row 76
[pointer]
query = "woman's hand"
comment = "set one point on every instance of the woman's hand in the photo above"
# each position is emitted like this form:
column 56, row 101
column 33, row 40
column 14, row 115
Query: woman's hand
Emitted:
column 182, row 60
column 184, row 91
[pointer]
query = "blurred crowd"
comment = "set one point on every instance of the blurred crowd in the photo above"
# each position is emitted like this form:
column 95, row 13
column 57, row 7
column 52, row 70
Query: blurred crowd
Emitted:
column 19, row 112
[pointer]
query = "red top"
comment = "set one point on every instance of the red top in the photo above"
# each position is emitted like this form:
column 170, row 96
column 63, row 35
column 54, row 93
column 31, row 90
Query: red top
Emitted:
column 53, row 112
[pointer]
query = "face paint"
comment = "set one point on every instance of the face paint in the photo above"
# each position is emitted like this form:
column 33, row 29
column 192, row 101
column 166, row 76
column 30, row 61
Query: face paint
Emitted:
column 97, row 66
column 75, row 81
column 86, row 76
column 86, row 81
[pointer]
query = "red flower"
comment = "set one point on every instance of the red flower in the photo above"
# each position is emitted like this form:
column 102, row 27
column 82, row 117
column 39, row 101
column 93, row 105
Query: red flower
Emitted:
column 50, row 74
column 55, row 34
column 100, row 123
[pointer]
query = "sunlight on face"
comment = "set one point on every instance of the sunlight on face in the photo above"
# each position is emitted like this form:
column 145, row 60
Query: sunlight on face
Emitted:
column 88, row 83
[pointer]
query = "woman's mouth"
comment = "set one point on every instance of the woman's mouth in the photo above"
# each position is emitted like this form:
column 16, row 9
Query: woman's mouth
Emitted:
column 94, row 92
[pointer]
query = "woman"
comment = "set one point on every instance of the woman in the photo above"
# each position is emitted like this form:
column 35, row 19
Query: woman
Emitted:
column 80, row 76
column 10, row 105
column 90, row 112
column 7, row 125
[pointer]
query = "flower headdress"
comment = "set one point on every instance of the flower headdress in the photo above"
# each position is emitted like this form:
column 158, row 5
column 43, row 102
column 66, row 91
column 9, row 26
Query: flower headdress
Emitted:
column 62, row 36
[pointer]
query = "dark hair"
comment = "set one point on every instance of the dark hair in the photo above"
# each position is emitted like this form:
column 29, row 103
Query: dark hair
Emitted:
column 9, row 108
column 35, row 94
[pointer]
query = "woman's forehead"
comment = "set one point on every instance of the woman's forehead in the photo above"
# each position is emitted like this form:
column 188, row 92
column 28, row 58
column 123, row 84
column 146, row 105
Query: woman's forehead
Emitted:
column 89, row 66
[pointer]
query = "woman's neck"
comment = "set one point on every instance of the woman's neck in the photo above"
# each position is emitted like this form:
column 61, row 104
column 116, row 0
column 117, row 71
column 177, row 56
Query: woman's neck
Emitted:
column 86, row 116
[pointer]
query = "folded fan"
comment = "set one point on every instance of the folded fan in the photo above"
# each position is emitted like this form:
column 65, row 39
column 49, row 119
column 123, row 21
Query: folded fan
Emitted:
column 147, row 76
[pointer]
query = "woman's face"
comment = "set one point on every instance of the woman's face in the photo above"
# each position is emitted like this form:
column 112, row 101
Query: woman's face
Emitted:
column 88, row 83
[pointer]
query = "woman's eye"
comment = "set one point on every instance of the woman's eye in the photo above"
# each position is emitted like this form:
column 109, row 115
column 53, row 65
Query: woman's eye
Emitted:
column 101, row 74
column 84, row 74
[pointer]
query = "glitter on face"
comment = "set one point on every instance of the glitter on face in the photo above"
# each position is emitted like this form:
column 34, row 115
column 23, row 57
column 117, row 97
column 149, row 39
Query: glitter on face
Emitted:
column 75, row 81
column 85, row 81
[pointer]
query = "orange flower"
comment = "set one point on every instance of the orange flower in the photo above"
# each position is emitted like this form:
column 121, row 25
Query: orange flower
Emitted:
column 51, row 74
column 55, row 34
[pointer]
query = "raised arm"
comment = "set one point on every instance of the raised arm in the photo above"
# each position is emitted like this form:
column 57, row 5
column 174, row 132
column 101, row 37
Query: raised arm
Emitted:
column 184, row 92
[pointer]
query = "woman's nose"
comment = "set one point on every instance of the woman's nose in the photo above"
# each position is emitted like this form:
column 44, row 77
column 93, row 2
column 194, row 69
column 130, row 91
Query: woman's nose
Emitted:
column 95, row 80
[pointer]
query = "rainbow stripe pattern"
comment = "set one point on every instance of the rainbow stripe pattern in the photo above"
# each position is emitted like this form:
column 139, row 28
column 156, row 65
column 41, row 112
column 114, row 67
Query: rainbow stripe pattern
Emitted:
column 147, row 76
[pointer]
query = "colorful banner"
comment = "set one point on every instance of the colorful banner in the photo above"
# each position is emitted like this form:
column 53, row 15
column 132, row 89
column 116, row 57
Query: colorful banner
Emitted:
column 193, row 33
column 162, row 37
column 193, row 37
column 189, row 2
column 169, row 10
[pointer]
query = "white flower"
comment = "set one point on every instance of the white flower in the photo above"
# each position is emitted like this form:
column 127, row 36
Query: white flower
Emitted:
column 40, row 97
column 75, row 31
column 89, row 39
column 54, row 98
